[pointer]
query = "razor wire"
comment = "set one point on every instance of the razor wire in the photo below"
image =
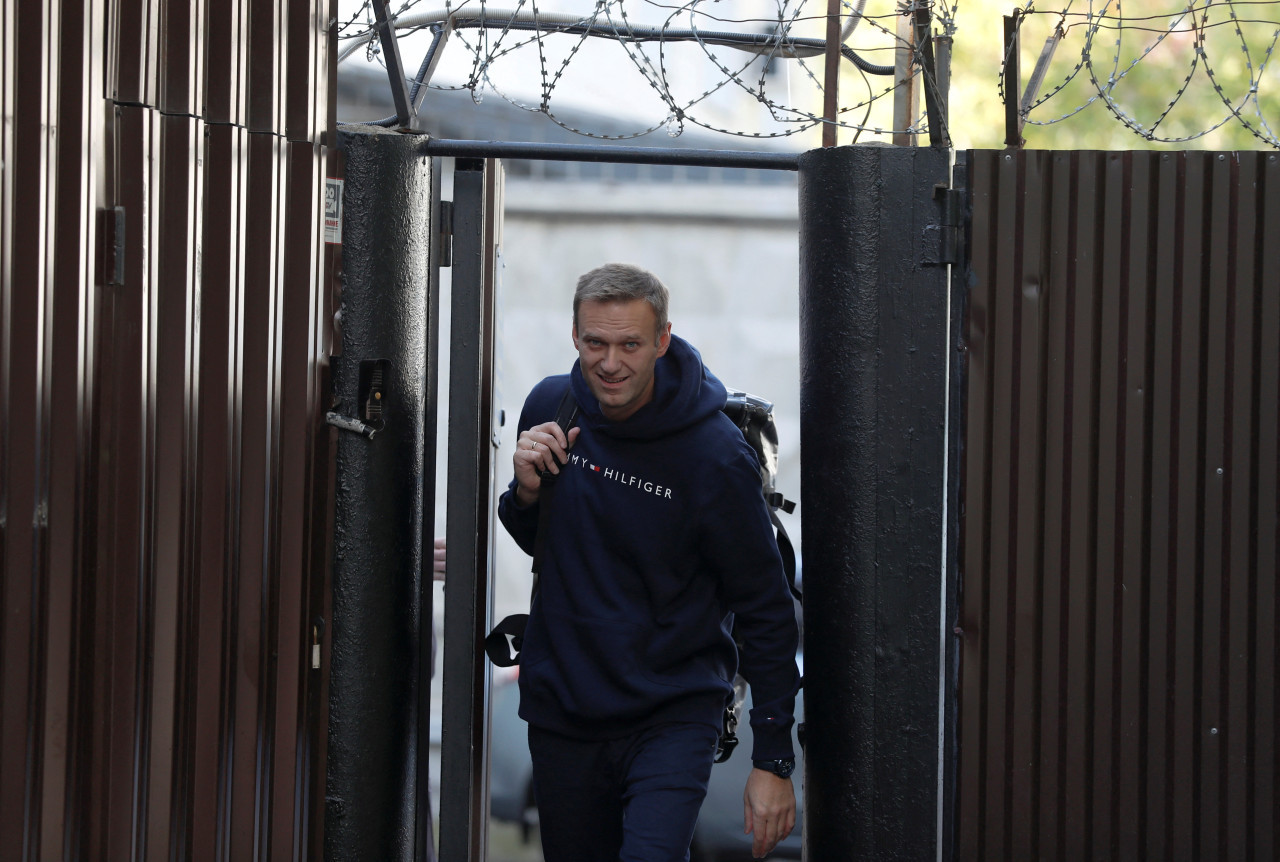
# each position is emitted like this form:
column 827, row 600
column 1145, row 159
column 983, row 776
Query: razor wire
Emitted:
column 740, row 49
column 1169, row 71
column 1191, row 45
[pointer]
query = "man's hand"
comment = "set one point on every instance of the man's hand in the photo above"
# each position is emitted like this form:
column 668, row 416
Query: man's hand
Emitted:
column 437, row 563
column 769, row 811
column 540, row 448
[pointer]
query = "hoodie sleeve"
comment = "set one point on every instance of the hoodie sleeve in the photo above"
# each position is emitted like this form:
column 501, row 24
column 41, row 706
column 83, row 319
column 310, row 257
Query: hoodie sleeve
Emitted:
column 739, row 538
column 522, row 521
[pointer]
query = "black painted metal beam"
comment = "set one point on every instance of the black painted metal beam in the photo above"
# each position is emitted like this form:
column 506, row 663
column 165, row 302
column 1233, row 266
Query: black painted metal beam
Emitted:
column 874, row 428
column 373, row 733
column 395, row 67
column 609, row 153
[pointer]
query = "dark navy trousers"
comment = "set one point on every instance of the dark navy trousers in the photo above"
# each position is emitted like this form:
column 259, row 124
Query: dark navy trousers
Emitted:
column 634, row 799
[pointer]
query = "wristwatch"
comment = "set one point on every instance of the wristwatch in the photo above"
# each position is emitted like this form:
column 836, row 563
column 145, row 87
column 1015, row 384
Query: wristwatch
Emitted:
column 781, row 768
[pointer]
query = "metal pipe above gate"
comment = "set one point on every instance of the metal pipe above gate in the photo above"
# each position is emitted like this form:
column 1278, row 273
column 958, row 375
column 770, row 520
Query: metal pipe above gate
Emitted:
column 605, row 153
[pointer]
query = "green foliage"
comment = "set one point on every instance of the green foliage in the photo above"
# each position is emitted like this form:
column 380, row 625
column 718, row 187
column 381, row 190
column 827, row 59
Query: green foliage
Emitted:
column 1146, row 75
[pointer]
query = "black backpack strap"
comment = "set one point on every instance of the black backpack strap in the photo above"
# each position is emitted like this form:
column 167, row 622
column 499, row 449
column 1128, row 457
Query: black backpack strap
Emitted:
column 504, row 643
column 788, row 553
column 566, row 418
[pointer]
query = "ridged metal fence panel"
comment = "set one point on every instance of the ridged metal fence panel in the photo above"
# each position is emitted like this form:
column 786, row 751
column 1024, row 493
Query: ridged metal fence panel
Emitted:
column 1121, row 480
column 165, row 310
column 268, row 55
column 37, row 567
column 227, row 41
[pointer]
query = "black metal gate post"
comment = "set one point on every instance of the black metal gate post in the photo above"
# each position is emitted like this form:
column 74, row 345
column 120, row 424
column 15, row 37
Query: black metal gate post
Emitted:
column 380, row 403
column 464, row 770
column 875, row 351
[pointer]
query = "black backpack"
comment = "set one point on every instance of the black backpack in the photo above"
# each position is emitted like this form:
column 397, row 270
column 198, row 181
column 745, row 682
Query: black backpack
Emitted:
column 754, row 417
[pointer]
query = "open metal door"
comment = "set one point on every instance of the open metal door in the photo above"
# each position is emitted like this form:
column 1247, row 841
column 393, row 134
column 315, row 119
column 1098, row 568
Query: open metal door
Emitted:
column 472, row 435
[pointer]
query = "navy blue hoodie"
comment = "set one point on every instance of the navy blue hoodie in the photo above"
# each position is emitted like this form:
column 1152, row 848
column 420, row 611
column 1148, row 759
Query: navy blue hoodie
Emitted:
column 659, row 535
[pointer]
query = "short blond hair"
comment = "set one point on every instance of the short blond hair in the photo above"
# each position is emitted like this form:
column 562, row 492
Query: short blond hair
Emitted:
column 622, row 282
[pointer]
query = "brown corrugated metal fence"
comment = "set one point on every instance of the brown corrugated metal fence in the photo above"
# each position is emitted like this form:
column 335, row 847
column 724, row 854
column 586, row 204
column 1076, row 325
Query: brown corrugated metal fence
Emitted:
column 1120, row 537
column 164, row 335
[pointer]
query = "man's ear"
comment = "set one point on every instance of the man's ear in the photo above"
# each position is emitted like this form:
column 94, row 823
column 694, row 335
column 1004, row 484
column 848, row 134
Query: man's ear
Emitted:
column 573, row 333
column 664, row 339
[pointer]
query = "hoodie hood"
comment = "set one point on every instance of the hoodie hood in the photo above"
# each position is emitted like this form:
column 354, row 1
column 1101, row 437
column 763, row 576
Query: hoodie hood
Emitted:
column 684, row 393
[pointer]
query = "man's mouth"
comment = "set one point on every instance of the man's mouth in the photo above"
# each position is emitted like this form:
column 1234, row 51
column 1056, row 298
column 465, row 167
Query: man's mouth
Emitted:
column 611, row 381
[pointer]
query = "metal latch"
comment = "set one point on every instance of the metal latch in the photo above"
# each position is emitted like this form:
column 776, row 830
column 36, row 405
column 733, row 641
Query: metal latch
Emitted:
column 370, row 401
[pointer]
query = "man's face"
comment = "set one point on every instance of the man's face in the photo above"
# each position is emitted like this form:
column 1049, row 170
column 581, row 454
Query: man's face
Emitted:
column 618, row 343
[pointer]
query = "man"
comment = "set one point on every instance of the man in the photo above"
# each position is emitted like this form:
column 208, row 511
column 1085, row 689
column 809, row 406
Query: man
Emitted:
column 659, row 534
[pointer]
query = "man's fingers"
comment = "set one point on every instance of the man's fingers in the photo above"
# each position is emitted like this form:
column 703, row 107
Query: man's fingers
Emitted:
column 768, row 834
column 772, row 834
column 758, row 825
column 757, row 845
column 541, row 448
column 550, row 434
column 766, row 838
column 546, row 446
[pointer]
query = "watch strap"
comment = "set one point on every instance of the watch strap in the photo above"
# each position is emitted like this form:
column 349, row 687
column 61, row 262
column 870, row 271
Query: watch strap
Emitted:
column 782, row 768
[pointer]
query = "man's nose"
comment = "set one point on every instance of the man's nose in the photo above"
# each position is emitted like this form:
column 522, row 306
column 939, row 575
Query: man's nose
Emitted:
column 612, row 358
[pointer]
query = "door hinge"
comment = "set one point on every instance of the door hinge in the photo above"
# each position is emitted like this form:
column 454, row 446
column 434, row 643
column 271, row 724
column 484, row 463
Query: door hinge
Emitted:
column 942, row 240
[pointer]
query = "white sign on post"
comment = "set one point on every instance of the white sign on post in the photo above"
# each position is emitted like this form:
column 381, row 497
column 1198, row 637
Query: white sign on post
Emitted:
column 333, row 211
